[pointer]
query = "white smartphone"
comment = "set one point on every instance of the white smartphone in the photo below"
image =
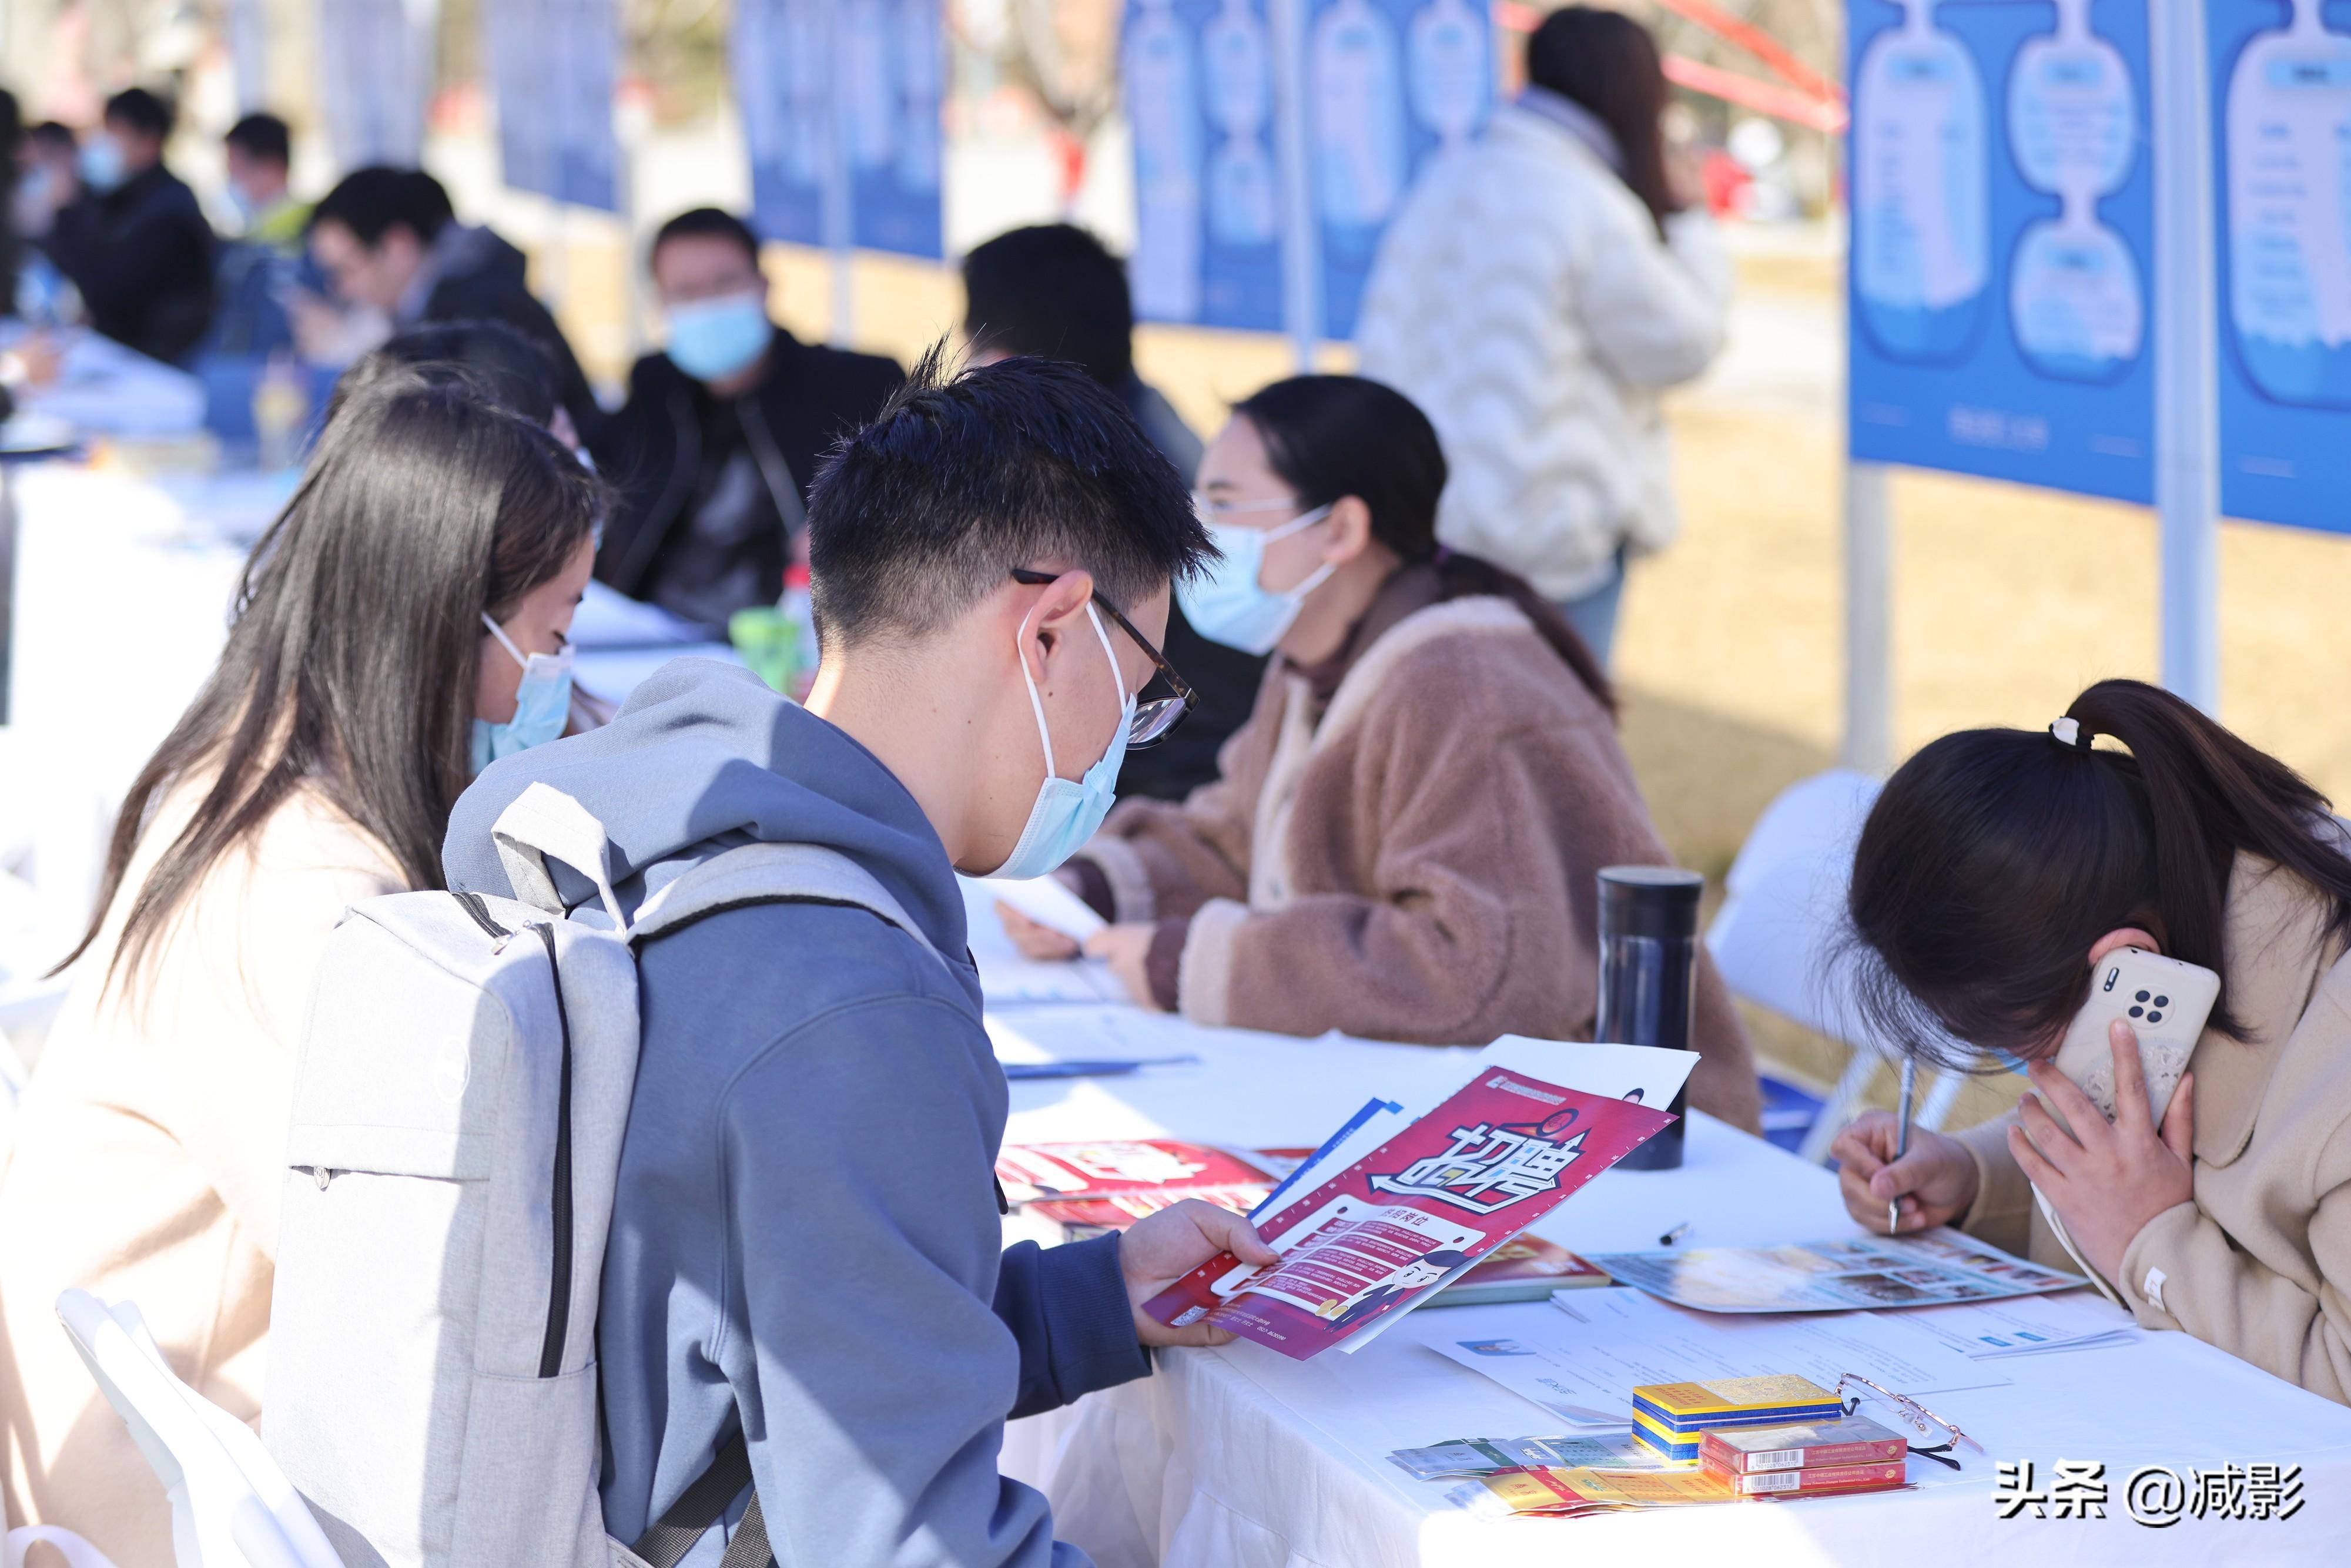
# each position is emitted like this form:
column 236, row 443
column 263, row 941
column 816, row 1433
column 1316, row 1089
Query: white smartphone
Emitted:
column 2166, row 1003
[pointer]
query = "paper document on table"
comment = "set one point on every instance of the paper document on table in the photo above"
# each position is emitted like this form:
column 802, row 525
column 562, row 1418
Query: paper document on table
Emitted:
column 1582, row 1363
column 1934, row 1269
column 1997, row 1330
column 1046, row 901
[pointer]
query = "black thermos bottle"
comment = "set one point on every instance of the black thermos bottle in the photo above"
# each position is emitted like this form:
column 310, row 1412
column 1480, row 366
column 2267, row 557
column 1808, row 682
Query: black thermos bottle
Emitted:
column 1648, row 977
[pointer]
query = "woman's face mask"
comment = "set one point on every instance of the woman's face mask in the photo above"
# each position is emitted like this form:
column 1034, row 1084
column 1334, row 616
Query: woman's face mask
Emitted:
column 542, row 704
column 1226, row 603
column 1067, row 811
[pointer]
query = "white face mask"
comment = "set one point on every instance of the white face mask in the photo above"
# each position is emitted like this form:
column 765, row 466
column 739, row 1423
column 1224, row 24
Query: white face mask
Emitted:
column 1227, row 604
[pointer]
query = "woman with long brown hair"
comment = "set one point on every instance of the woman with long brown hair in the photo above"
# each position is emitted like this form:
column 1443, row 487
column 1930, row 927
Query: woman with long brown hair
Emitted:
column 401, row 621
column 1537, row 291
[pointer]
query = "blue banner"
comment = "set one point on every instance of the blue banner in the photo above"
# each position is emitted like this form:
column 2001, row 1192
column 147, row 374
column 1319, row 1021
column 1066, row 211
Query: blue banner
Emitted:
column 551, row 65
column 2002, row 269
column 1386, row 85
column 864, row 77
column 2282, row 166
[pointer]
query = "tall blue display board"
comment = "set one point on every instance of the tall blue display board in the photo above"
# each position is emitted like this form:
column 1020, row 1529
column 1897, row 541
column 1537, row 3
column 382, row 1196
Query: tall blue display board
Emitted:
column 551, row 65
column 848, row 90
column 2002, row 254
column 2282, row 170
column 1384, row 85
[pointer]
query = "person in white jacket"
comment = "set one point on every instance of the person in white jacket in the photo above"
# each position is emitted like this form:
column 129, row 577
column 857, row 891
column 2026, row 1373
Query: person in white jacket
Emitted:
column 1537, row 292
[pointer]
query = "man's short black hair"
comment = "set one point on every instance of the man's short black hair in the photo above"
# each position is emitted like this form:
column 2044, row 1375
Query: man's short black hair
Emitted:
column 142, row 110
column 926, row 511
column 264, row 137
column 54, row 136
column 707, row 221
column 371, row 202
column 1053, row 290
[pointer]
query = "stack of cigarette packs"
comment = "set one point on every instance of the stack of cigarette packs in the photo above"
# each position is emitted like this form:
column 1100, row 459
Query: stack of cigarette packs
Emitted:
column 1671, row 1417
column 1822, row 1458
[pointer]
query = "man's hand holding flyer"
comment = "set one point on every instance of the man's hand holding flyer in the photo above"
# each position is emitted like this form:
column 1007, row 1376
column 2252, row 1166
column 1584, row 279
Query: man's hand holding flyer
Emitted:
column 1365, row 1235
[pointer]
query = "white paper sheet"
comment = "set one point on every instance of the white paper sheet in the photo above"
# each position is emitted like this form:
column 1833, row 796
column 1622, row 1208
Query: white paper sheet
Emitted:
column 1584, row 1365
column 1996, row 1330
column 1046, row 901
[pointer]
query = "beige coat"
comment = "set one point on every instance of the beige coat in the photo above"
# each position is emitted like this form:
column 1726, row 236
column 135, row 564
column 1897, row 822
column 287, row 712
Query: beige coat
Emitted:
column 150, row 1150
column 2260, row 1261
column 1417, row 862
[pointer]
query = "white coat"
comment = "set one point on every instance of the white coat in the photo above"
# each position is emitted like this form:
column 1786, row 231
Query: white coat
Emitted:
column 1524, row 300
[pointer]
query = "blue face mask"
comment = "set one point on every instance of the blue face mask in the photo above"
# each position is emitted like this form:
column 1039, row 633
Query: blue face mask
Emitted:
column 1067, row 811
column 1227, row 604
column 100, row 161
column 542, row 704
column 711, row 340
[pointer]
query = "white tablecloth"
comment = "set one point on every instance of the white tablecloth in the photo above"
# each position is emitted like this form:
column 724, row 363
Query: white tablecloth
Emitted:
column 1240, row 1458
column 124, row 588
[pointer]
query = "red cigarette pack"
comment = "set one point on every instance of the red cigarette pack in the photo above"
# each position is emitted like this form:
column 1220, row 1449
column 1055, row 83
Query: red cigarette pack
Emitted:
column 1805, row 1446
column 1823, row 1482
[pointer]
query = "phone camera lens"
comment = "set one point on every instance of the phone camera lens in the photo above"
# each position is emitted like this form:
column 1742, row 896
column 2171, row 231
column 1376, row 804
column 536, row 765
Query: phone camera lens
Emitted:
column 2163, row 1001
column 2155, row 1018
column 2135, row 1011
column 2141, row 997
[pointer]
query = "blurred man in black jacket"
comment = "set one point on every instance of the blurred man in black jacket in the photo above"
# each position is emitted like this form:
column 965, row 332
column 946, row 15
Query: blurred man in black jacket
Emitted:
column 134, row 242
column 1053, row 291
column 389, row 243
column 723, row 431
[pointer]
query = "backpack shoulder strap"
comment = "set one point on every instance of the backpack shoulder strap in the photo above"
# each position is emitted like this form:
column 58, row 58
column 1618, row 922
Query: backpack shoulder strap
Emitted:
column 702, row 1505
column 772, row 873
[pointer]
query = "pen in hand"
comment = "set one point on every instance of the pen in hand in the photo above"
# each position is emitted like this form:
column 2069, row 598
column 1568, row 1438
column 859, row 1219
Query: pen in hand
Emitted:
column 1902, row 1139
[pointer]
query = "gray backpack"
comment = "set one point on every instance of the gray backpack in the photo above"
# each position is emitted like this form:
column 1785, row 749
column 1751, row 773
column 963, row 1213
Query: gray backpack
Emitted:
column 459, row 1101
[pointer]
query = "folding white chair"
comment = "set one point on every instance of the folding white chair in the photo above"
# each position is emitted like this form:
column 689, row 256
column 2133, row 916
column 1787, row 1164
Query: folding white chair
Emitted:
column 1776, row 941
column 232, row 1507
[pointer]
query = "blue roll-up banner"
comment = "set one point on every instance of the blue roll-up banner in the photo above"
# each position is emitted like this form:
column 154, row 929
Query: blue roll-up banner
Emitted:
column 1387, row 84
column 859, row 79
column 2002, row 263
column 551, row 66
column 2281, row 74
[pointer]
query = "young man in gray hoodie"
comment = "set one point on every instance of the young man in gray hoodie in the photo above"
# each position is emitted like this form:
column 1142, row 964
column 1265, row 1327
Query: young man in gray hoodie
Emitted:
column 805, row 1246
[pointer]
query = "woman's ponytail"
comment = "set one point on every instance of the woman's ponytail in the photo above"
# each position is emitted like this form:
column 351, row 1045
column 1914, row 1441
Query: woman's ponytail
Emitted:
column 2210, row 798
column 1995, row 859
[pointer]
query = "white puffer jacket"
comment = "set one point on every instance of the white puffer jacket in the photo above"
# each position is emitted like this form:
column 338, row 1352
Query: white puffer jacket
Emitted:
column 1523, row 299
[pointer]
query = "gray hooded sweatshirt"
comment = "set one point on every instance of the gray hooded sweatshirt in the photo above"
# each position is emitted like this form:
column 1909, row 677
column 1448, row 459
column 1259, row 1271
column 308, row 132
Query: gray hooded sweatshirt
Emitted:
column 805, row 1244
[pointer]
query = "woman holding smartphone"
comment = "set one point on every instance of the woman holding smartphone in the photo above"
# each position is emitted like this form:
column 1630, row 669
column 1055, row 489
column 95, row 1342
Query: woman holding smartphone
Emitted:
column 1997, row 870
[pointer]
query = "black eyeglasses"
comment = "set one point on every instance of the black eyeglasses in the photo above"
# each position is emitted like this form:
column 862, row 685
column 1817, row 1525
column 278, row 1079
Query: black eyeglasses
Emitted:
column 1153, row 720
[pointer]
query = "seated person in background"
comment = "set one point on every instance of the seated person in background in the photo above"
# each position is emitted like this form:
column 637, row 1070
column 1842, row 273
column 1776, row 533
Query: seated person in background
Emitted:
column 1406, row 839
column 1997, row 870
column 1054, row 291
column 134, row 242
column 260, row 154
column 392, row 247
column 266, row 260
column 721, row 436
column 360, row 686
column 805, row 1243
column 490, row 357
column 48, row 177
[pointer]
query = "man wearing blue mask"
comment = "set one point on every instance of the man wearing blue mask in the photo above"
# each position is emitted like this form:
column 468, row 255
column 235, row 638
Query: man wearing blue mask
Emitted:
column 134, row 242
column 723, row 431
column 805, row 1252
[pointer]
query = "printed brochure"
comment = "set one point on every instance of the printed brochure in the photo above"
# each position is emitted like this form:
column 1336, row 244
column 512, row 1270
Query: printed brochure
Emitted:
column 1363, row 1244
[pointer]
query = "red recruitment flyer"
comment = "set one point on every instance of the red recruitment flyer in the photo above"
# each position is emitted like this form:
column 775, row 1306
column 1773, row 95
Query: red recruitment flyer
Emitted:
column 1496, row 1155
